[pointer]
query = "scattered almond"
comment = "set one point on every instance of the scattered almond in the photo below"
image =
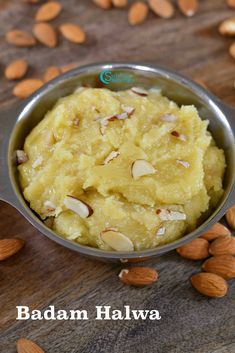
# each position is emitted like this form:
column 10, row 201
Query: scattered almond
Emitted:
column 231, row 3
column 227, row 27
column 197, row 249
column 21, row 156
column 16, row 69
column 137, row 13
column 116, row 240
column 232, row 50
column 27, row 87
column 209, row 284
column 138, row 276
column 27, row 346
column 104, row 4
column 188, row 7
column 45, row 34
column 120, row 3
column 141, row 168
column 73, row 33
column 165, row 214
column 222, row 265
column 68, row 67
column 78, row 206
column 230, row 217
column 223, row 246
column 162, row 8
column 216, row 231
column 9, row 247
column 51, row 73
column 20, row 38
column 48, row 11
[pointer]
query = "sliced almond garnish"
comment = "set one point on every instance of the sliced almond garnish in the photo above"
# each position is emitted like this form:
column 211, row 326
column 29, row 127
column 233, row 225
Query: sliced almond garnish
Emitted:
column 183, row 163
column 116, row 240
column 128, row 110
column 37, row 162
column 181, row 137
column 169, row 215
column 78, row 206
column 21, row 156
column 49, row 205
column 140, row 91
column 140, row 168
column 168, row 117
column 111, row 156
column 161, row 231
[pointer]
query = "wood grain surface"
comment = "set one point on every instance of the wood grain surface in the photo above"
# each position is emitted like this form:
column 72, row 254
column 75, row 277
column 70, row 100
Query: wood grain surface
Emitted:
column 44, row 273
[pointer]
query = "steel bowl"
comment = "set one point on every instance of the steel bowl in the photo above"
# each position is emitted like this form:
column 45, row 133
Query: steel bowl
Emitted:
column 16, row 123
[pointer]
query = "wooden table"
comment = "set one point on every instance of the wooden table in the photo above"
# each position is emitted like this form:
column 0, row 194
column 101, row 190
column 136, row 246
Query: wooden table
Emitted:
column 46, row 274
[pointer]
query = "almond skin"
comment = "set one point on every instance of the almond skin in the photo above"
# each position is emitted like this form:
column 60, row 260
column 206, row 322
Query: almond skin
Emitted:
column 73, row 33
column 27, row 87
column 120, row 3
column 197, row 249
column 209, row 284
column 230, row 216
column 20, row 38
column 48, row 11
column 27, row 346
column 138, row 276
column 45, row 34
column 188, row 7
column 137, row 13
column 16, row 69
column 104, row 4
column 222, row 265
column 218, row 230
column 223, row 246
column 162, row 8
column 9, row 247
column 51, row 73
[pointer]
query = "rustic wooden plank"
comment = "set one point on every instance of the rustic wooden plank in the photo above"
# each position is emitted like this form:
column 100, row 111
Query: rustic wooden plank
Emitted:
column 46, row 274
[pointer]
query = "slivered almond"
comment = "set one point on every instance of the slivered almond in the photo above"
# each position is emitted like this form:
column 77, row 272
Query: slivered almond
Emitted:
column 104, row 4
column 37, row 162
column 161, row 231
column 188, row 7
column 116, row 240
column 45, row 34
column 48, row 11
column 16, row 69
column 227, row 27
column 111, row 156
column 223, row 265
column 197, row 249
column 9, row 247
column 216, row 231
column 168, row 117
column 73, row 33
column 51, row 73
column 140, row 91
column 209, row 284
column 138, row 276
column 183, row 163
column 231, row 3
column 141, row 168
column 223, row 246
column 166, row 214
column 162, row 8
column 137, row 13
column 21, row 156
column 26, row 87
column 78, row 206
column 20, row 38
column 230, row 217
column 27, row 346
column 120, row 3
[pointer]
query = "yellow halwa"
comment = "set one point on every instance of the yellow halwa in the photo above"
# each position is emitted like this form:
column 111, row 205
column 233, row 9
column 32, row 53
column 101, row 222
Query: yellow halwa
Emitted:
column 69, row 151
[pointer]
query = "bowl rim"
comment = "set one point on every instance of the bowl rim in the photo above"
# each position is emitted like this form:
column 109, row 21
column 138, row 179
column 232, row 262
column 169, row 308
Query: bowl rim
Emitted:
column 169, row 74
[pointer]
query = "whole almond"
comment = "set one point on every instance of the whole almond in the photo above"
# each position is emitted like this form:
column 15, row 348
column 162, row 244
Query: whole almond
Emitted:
column 138, row 276
column 137, row 13
column 73, row 33
column 222, row 265
column 27, row 87
column 9, row 247
column 197, row 249
column 104, row 4
column 227, row 27
column 51, row 73
column 27, row 346
column 45, row 34
column 120, row 3
column 162, row 8
column 16, row 69
column 231, row 3
column 48, row 11
column 223, row 246
column 188, row 7
column 209, row 284
column 216, row 231
column 20, row 38
column 230, row 217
